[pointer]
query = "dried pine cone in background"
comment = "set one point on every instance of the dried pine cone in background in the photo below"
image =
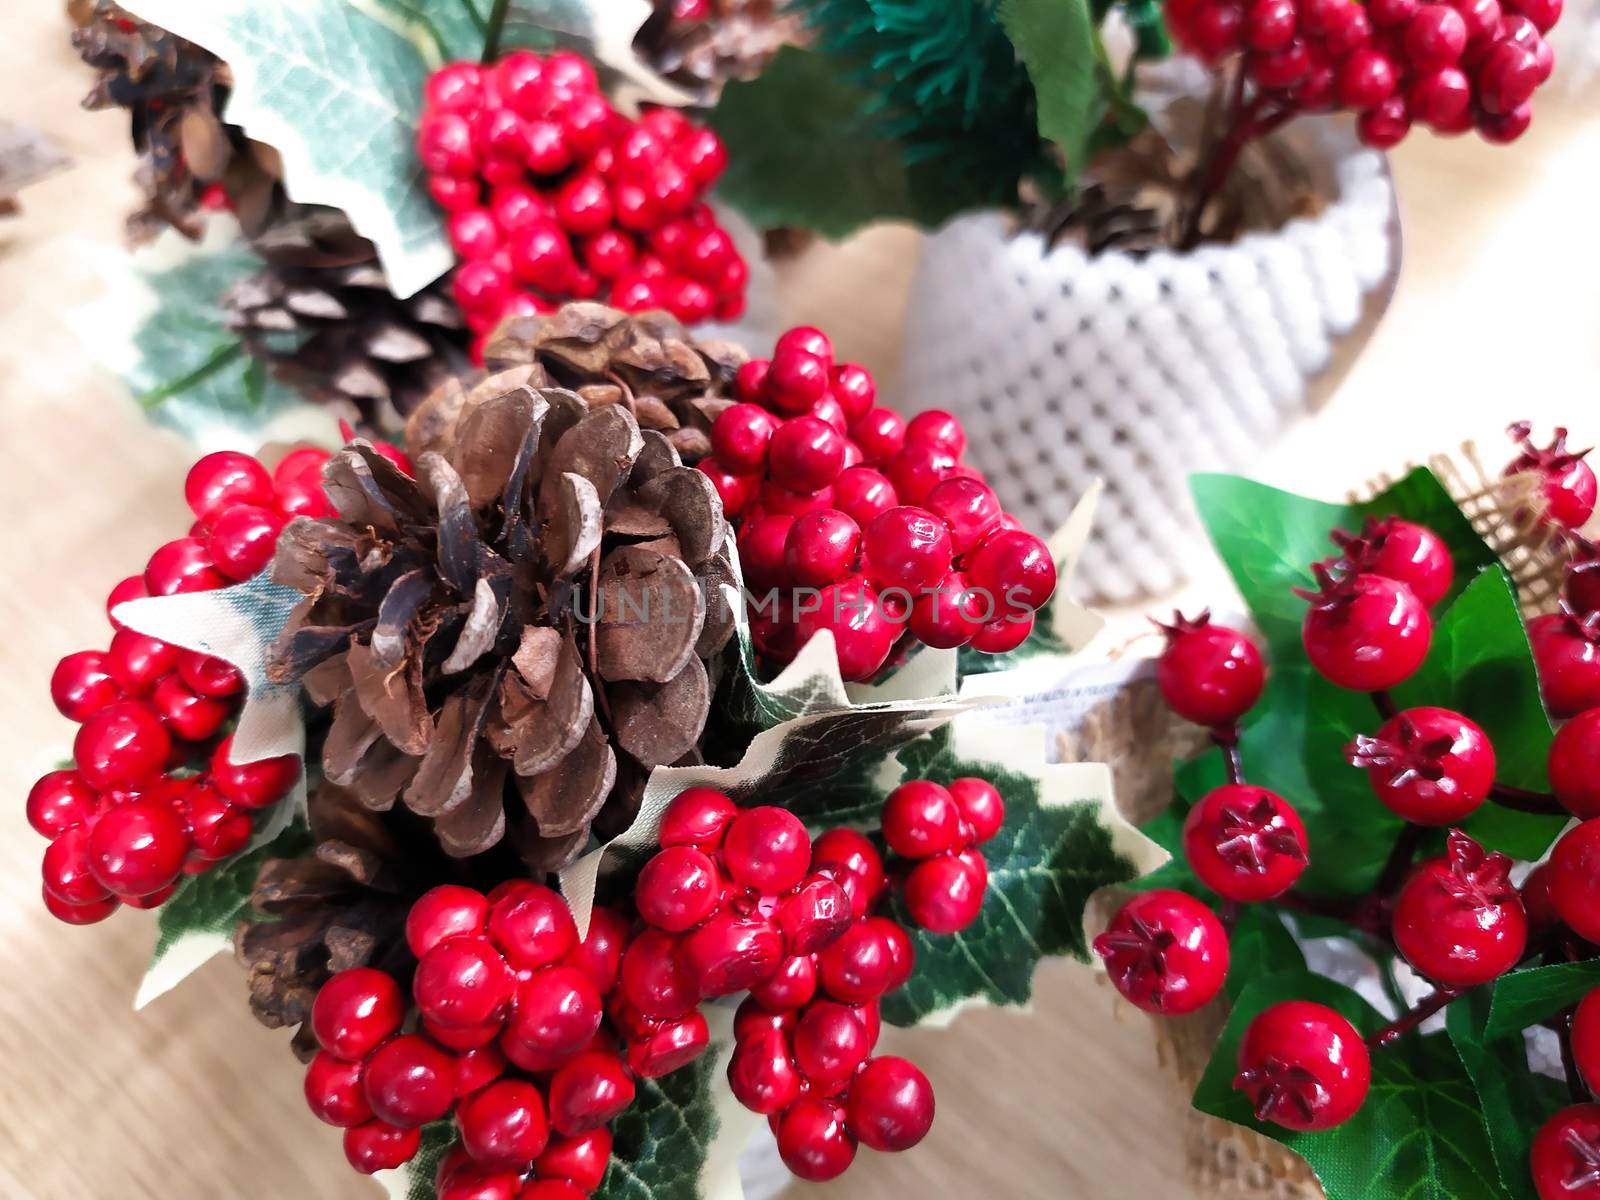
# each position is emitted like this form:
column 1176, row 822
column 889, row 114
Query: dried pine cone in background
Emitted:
column 512, row 643
column 671, row 382
column 701, row 44
column 363, row 350
column 173, row 91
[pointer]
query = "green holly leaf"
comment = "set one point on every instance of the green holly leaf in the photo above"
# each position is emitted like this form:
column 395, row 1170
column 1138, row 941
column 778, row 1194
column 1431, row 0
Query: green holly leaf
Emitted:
column 1524, row 998
column 1058, row 42
column 1515, row 1099
column 1419, row 1136
column 197, row 923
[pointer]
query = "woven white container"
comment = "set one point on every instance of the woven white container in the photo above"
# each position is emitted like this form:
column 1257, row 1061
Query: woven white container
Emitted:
column 1066, row 367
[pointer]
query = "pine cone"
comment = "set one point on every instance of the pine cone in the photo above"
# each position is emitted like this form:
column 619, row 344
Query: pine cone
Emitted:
column 361, row 349
column 671, row 383
column 735, row 41
column 342, row 905
column 512, row 643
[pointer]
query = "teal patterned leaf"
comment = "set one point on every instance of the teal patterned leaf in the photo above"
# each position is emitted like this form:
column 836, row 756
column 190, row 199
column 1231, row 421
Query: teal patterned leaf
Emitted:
column 442, row 30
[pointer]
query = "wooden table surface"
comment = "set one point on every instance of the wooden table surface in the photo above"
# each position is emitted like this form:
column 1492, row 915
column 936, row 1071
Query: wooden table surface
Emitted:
column 1497, row 317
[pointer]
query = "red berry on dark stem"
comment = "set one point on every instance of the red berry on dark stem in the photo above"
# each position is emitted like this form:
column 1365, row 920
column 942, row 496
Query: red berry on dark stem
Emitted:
column 355, row 1011
column 555, row 1013
column 761, row 1073
column 256, row 784
column 462, row 982
column 1165, row 952
column 333, row 1090
column 377, row 1146
column 767, row 849
column 678, row 888
column 1303, row 1066
column 740, row 436
column 1575, row 765
column 531, row 924
column 1575, row 879
column 580, row 1160
column 858, row 966
column 123, row 745
column 1208, row 674
column 731, row 953
column 671, row 1045
column 1365, row 632
column 1245, row 843
column 891, row 1105
column 1428, row 765
column 1457, row 919
column 1567, row 482
column 444, row 912
column 920, row 819
column 60, row 801
column 1404, row 551
column 587, row 1092
column 1565, row 1157
column 945, row 894
column 1566, row 650
column 855, row 863
column 813, row 1140
column 503, row 1127
column 699, row 817
column 224, row 479
column 813, row 915
column 792, row 985
column 805, row 454
column 81, row 685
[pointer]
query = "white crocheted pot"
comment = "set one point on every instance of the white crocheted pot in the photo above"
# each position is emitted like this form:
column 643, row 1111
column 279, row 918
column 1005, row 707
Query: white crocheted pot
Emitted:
column 1066, row 367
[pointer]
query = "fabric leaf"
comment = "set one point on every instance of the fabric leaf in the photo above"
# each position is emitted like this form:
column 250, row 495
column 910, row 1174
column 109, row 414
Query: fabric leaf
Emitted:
column 1524, row 998
column 1057, row 41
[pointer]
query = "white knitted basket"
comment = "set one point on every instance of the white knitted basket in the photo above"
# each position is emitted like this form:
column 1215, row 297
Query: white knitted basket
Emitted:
column 1065, row 367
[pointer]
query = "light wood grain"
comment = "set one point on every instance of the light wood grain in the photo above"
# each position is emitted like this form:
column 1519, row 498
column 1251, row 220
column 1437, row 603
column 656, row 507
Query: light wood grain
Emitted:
column 1497, row 316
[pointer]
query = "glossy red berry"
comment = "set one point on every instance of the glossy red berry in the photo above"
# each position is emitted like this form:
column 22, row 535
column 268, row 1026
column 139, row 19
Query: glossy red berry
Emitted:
column 588, row 1091
column 805, row 454
column 1565, row 1156
column 907, row 548
column 795, row 382
column 67, row 876
column 732, row 953
column 945, row 894
column 206, row 675
column 699, row 817
column 1402, row 550
column 531, row 924
column 821, row 548
column 81, row 685
column 655, row 979
column 767, row 849
column 137, row 662
column 503, row 1127
column 855, row 862
column 813, row 915
column 830, row 1043
column 670, row 1045
column 1457, row 919
column 1431, row 766
column 937, row 428
column 1575, row 879
column 1365, row 632
column 880, row 433
column 1574, row 765
column 1015, row 568
column 1303, row 1066
column 599, row 955
column 333, row 1090
column 814, row 1141
column 124, row 745
column 1245, row 843
column 1566, row 650
column 188, row 717
column 1586, row 1038
column 981, row 805
column 579, row 1160
column 1567, row 481
column 256, row 784
column 792, row 985
column 355, row 1011
column 59, row 801
column 216, row 828
column 243, row 540
column 1165, row 952
column 863, row 494
column 1209, row 674
column 891, row 1106
column 555, row 1013
column 678, row 889
column 462, row 982
column 858, row 966
column 741, row 435
column 224, row 479
column 921, row 819
column 951, row 613
column 762, row 1074
column 444, row 912
column 376, row 1146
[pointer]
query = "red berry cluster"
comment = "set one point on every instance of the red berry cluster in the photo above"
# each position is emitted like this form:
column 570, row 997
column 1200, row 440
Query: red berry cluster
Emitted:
column 152, row 794
column 1451, row 64
column 854, row 520
column 939, row 829
column 553, row 195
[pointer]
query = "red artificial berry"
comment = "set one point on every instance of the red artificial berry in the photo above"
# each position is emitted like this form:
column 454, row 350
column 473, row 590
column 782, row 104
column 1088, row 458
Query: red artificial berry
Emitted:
column 1303, row 1066
column 732, row 953
column 1502, row 129
column 452, row 193
column 921, row 819
column 355, row 1011
column 1366, row 78
column 462, row 982
column 256, row 784
column 478, row 1067
column 937, row 428
column 1004, row 635
column 734, row 490
column 880, row 433
column 551, row 1189
column 699, row 817
column 555, row 1013
column 503, row 1127
column 1586, row 1038
column 1428, row 765
column 333, row 1090
column 863, row 494
column 137, row 662
column 813, row 1140
column 1575, row 879
column 531, row 924
column 740, row 436
column 471, row 1182
column 981, row 806
column 856, row 865
column 968, row 507
column 1364, row 632
column 207, row 675
column 1245, row 843
column 1270, row 25
column 455, row 87
column 805, row 339
column 444, row 912
column 599, row 955
column 59, row 801
column 81, row 685
column 588, row 1091
column 791, row 986
column 813, row 915
column 854, row 389
column 1566, row 651
column 473, row 233
column 890, row 1107
column 1401, row 550
column 1436, row 36
column 1567, row 481
column 750, row 381
column 67, row 874
column 762, row 543
column 189, row 717
column 180, row 566
column 829, row 1043
column 906, row 548
column 1457, row 919
column 1442, row 99
column 805, row 454
column 767, row 849
column 1282, row 69
column 761, row 1073
column 1165, row 952
column 1015, row 569
column 131, row 588
column 859, row 965
column 580, row 1160
column 951, row 613
column 1216, row 31
column 821, row 548
column 1385, row 124
column 919, row 468
column 79, row 914
column 752, row 1018
column 678, row 889
column 377, row 1146
column 1565, row 1156
column 217, row 829
column 243, row 540
column 945, row 894
column 1507, row 78
column 1208, row 674
column 224, row 479
column 1543, row 13
column 124, row 745
column 655, row 979
column 670, row 1045
column 795, row 381
column 304, row 462
column 1574, row 765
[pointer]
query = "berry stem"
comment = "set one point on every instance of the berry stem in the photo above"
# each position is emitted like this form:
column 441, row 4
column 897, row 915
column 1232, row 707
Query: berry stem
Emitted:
column 1425, row 1008
column 1576, row 1088
column 1384, row 703
column 1226, row 738
column 1399, row 861
column 1250, row 121
column 1523, row 800
column 497, row 24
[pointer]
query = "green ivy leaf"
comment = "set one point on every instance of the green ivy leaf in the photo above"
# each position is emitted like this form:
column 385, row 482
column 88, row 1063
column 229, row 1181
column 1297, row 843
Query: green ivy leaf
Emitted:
column 1260, row 945
column 1525, row 998
column 1057, row 41
column 197, row 923
column 1420, row 1134
column 1515, row 1099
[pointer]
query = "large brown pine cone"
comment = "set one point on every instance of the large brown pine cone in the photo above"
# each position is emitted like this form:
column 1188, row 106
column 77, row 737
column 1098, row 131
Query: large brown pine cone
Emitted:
column 512, row 641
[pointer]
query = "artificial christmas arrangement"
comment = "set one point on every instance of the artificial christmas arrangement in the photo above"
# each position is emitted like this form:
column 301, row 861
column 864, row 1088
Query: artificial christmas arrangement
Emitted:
column 559, row 843
column 1383, row 773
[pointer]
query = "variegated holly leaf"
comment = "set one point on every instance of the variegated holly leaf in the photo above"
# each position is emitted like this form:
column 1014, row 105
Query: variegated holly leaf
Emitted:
column 338, row 95
column 197, row 923
column 441, row 30
column 161, row 329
